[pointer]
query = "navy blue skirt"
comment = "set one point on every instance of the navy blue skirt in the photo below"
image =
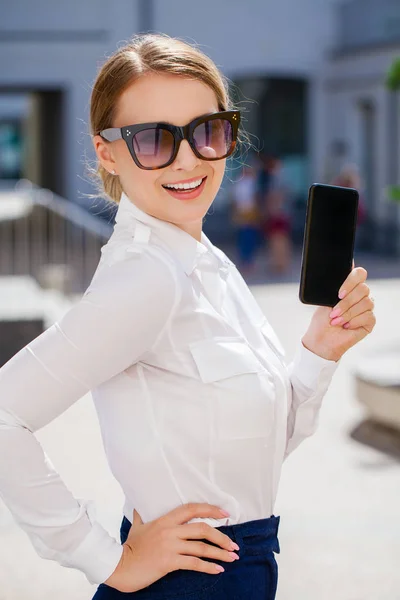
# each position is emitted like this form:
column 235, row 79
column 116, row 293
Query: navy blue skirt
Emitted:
column 253, row 577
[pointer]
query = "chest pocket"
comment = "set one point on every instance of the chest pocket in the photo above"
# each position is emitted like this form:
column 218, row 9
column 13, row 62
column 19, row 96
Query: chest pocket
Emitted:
column 240, row 392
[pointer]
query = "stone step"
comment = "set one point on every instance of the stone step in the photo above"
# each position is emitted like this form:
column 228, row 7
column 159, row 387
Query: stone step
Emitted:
column 382, row 402
column 377, row 380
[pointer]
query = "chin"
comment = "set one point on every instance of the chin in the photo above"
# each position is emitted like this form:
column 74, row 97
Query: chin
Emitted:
column 192, row 217
column 190, row 212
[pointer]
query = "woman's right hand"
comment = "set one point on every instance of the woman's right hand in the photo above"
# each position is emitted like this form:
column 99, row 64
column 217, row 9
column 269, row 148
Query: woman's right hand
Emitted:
column 170, row 543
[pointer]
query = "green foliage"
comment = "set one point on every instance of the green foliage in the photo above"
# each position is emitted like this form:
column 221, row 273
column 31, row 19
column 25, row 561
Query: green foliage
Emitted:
column 393, row 84
column 393, row 76
column 393, row 193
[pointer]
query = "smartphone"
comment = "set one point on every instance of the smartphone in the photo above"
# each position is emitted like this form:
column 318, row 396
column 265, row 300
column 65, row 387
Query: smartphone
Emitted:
column 328, row 247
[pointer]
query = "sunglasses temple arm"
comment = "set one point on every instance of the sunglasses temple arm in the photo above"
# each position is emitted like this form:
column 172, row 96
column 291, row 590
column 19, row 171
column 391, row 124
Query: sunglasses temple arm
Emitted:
column 112, row 134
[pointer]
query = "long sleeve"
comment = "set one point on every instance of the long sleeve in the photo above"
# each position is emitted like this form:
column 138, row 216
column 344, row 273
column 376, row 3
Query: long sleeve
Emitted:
column 310, row 376
column 121, row 316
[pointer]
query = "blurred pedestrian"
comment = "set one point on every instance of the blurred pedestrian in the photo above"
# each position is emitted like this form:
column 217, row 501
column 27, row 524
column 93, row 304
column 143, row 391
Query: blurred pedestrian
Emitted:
column 277, row 222
column 246, row 217
column 263, row 178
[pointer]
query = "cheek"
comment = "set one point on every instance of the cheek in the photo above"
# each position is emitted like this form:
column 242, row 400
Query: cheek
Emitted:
column 218, row 173
column 121, row 154
column 135, row 181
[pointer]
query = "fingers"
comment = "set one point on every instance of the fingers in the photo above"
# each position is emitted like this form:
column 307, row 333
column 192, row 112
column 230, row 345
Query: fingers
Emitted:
column 193, row 510
column 357, row 303
column 204, row 550
column 367, row 320
column 202, row 531
column 365, row 305
column 192, row 563
column 357, row 276
column 362, row 290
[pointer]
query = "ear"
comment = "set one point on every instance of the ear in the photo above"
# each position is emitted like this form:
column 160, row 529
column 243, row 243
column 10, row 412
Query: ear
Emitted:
column 104, row 153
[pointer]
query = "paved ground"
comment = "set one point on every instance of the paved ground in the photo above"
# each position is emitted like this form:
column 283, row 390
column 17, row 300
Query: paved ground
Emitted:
column 340, row 528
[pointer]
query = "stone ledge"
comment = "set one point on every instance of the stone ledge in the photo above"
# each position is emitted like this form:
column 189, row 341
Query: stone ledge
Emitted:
column 379, row 436
column 382, row 401
column 14, row 335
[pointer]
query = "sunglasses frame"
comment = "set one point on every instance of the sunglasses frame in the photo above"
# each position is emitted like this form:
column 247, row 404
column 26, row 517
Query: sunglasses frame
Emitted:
column 179, row 133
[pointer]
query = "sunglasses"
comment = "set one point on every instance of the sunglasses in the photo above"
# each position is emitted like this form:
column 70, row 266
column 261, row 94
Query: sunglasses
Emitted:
column 155, row 145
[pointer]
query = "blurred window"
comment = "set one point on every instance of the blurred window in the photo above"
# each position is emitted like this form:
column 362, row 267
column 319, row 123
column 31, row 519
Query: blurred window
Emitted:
column 10, row 149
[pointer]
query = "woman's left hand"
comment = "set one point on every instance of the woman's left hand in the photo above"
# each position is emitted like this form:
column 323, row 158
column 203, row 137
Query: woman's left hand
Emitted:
column 334, row 331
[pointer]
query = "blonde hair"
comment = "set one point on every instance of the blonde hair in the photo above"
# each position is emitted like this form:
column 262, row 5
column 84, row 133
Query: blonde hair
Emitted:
column 155, row 53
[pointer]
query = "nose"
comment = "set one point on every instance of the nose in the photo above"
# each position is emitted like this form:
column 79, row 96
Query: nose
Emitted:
column 185, row 160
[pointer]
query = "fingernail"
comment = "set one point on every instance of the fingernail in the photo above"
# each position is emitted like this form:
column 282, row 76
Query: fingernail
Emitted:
column 224, row 513
column 234, row 555
column 346, row 325
column 342, row 294
column 337, row 321
column 335, row 313
column 234, row 546
column 219, row 569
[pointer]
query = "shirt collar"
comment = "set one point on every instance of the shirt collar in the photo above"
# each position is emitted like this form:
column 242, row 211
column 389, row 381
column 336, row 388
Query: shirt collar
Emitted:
column 186, row 248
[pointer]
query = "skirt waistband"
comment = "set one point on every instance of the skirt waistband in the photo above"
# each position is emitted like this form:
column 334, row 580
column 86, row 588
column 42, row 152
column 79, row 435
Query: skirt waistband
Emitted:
column 255, row 537
column 252, row 537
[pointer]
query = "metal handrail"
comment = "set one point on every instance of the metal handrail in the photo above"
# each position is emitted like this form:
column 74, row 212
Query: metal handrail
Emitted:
column 49, row 238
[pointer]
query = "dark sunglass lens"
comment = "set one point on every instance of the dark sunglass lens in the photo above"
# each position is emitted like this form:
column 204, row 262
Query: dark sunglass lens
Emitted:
column 214, row 138
column 153, row 147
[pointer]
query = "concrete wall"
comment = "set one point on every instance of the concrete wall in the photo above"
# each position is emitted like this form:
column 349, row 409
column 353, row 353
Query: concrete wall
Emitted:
column 263, row 36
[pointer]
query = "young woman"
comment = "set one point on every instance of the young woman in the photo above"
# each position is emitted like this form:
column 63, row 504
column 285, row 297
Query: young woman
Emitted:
column 196, row 404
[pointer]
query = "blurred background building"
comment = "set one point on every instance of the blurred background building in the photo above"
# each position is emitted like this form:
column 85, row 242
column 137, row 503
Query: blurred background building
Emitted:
column 310, row 76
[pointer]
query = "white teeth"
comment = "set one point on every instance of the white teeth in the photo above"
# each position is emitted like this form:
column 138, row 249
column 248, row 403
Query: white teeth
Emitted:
column 184, row 186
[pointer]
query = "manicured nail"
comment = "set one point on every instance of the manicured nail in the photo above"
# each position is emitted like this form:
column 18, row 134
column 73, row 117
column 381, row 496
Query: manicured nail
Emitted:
column 342, row 294
column 234, row 546
column 219, row 568
column 224, row 513
column 346, row 325
column 335, row 313
column 337, row 321
column 234, row 555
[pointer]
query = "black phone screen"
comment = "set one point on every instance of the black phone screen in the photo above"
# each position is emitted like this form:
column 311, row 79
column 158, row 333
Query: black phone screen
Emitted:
column 328, row 243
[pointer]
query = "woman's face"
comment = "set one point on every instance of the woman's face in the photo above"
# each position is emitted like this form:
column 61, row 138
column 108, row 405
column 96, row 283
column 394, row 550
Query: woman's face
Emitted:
column 178, row 101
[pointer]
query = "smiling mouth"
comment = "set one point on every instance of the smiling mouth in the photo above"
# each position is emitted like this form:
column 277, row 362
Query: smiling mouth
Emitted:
column 185, row 189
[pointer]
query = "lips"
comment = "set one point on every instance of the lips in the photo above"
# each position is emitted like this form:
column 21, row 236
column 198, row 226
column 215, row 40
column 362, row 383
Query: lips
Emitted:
column 187, row 194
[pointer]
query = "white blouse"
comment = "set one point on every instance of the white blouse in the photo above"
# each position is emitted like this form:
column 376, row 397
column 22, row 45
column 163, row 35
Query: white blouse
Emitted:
column 194, row 398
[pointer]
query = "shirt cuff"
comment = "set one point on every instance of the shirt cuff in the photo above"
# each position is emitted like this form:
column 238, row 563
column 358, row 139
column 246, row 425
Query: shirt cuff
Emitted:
column 312, row 370
column 97, row 556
